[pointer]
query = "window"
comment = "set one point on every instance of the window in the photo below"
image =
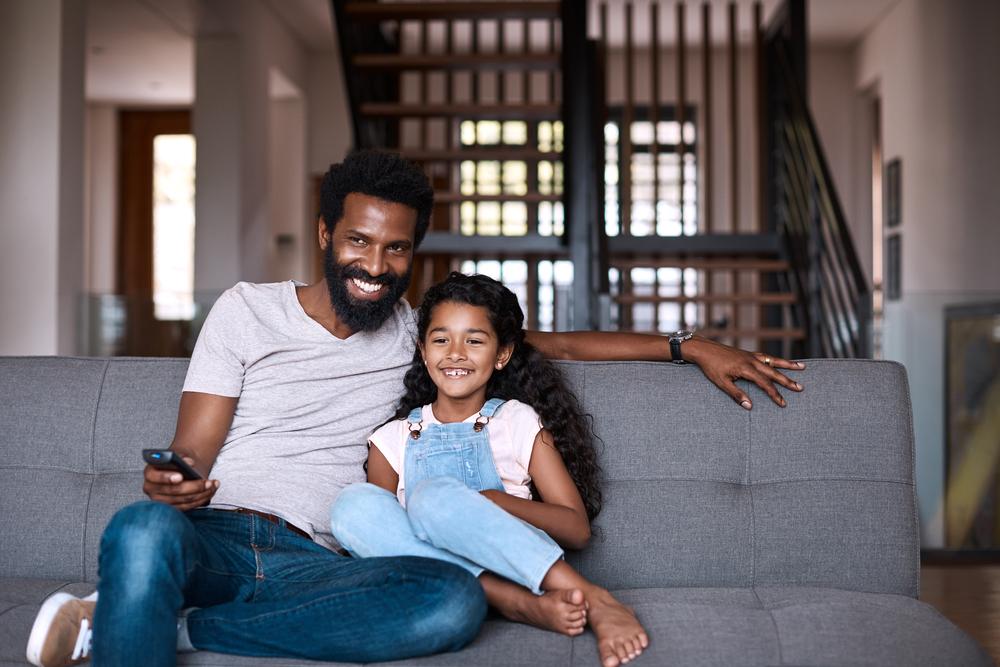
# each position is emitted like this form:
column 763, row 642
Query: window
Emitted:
column 173, row 226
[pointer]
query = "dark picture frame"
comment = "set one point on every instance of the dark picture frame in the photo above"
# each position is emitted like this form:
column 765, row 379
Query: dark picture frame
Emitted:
column 893, row 200
column 972, row 379
column 893, row 267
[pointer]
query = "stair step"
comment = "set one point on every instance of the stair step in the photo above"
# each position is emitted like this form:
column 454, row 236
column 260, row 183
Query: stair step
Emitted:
column 398, row 11
column 466, row 111
column 763, row 245
column 477, row 153
column 458, row 197
column 464, row 61
column 706, row 263
column 760, row 334
column 761, row 298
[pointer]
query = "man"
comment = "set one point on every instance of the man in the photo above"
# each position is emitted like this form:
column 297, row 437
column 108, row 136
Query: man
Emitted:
column 285, row 384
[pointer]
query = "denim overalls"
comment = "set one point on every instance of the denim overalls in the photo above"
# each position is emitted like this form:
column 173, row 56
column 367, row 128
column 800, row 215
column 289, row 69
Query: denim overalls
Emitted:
column 460, row 450
column 445, row 517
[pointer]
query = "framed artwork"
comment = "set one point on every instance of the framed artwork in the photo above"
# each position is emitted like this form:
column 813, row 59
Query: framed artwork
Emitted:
column 893, row 268
column 972, row 426
column 893, row 200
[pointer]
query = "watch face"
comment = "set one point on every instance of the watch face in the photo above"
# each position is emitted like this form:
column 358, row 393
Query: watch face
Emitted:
column 681, row 335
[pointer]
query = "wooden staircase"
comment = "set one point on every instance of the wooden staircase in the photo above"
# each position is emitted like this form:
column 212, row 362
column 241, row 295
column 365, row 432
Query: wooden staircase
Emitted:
column 474, row 92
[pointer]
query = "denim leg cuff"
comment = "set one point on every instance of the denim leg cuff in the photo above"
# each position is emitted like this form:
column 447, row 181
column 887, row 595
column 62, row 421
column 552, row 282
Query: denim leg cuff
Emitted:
column 536, row 580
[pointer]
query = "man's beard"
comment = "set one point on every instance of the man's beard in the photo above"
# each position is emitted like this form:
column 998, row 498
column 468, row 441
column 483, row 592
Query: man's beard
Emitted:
column 357, row 314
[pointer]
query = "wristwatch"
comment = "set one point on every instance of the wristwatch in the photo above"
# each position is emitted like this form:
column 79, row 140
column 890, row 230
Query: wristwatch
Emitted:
column 676, row 338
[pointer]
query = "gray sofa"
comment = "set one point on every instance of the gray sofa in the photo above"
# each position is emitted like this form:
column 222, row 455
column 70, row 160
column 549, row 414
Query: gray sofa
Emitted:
column 771, row 537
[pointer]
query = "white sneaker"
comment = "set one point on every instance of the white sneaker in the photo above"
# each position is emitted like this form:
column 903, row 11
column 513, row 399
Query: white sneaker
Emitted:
column 62, row 631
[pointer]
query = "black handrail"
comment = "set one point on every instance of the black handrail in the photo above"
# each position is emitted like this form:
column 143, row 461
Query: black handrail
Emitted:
column 835, row 299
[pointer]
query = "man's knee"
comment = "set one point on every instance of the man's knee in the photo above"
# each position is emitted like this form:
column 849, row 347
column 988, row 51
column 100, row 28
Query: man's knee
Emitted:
column 140, row 537
column 460, row 608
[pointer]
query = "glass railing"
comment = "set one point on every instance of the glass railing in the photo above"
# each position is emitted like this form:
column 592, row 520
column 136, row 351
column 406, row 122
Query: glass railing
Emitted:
column 114, row 325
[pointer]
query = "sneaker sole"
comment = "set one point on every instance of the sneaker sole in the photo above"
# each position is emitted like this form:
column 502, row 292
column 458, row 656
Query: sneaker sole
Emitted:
column 48, row 611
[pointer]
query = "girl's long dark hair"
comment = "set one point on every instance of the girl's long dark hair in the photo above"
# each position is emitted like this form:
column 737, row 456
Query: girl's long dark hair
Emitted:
column 528, row 377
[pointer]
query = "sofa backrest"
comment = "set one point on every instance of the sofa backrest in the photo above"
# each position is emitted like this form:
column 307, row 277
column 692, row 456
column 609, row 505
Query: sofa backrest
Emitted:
column 698, row 491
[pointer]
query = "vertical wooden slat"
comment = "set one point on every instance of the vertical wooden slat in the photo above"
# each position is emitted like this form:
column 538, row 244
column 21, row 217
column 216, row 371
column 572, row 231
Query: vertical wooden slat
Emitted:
column 532, row 166
column 682, row 140
column 758, row 97
column 708, row 224
column 452, row 129
column 734, row 153
column 625, row 165
column 424, row 88
column 625, row 133
column 501, row 98
column 474, row 87
column 654, row 148
column 532, row 287
column 553, row 81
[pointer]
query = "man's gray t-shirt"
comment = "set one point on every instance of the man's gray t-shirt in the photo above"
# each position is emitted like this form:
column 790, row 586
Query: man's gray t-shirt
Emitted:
column 307, row 400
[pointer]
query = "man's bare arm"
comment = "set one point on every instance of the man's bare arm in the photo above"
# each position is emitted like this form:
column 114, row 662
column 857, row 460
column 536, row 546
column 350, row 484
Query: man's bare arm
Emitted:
column 721, row 364
column 203, row 422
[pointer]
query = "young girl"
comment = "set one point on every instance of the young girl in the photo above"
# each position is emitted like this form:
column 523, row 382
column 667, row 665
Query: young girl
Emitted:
column 455, row 476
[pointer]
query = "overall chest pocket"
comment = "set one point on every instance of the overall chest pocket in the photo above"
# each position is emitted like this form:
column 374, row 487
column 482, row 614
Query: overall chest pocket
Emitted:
column 447, row 459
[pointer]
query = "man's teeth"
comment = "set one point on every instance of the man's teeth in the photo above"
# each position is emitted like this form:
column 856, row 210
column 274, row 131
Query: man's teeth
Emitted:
column 367, row 287
column 456, row 372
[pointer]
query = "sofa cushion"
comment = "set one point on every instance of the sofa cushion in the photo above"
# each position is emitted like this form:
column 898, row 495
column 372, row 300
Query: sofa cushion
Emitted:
column 765, row 625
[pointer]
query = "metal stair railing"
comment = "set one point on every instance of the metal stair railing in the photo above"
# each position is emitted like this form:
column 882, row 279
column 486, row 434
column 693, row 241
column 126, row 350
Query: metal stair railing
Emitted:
column 834, row 296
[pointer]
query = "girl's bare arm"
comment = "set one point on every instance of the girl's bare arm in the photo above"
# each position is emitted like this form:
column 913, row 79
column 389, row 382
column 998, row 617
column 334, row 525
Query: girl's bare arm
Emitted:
column 380, row 473
column 559, row 510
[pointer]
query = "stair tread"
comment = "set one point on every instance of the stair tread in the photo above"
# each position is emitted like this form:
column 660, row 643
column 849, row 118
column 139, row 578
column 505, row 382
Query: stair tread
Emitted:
column 470, row 111
column 707, row 263
column 458, row 197
column 514, row 9
column 476, row 153
column 463, row 61
column 761, row 297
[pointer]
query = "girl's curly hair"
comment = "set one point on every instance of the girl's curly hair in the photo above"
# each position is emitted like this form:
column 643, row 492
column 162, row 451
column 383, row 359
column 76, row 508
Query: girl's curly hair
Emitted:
column 527, row 377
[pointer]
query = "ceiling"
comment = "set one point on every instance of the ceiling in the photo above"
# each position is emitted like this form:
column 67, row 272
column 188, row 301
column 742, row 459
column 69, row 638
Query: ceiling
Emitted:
column 142, row 51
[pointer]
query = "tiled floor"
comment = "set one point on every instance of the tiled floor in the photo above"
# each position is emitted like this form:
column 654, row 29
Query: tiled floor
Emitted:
column 969, row 595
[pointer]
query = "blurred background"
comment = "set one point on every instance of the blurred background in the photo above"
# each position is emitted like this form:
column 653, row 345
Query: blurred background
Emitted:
column 812, row 178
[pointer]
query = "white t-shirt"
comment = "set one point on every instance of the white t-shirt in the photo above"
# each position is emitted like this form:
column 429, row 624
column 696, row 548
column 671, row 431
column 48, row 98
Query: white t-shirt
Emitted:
column 307, row 400
column 511, row 434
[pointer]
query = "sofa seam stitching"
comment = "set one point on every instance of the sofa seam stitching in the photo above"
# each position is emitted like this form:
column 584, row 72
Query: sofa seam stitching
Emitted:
column 753, row 521
column 770, row 482
column 774, row 624
column 915, row 503
column 93, row 473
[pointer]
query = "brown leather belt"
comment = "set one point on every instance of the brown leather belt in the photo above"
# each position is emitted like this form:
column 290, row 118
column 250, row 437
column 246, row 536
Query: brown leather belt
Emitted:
column 270, row 517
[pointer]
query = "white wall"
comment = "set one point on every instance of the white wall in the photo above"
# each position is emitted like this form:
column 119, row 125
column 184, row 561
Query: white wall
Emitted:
column 934, row 64
column 238, row 45
column 101, row 198
column 41, row 175
column 328, row 114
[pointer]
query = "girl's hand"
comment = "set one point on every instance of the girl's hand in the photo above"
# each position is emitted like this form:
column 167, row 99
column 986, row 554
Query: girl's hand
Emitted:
column 723, row 365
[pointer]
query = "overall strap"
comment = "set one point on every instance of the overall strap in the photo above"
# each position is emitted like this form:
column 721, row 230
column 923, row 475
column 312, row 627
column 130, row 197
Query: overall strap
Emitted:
column 415, row 422
column 491, row 407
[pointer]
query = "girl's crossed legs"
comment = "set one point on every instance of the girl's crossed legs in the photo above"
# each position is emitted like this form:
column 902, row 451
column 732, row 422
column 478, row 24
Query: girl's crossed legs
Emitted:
column 446, row 520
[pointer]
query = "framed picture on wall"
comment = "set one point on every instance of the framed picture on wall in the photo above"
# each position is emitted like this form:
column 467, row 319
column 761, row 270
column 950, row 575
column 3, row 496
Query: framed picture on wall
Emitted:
column 972, row 420
column 893, row 268
column 893, row 202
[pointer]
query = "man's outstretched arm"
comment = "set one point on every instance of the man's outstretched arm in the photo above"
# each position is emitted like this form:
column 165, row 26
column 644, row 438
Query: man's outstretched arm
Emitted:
column 721, row 364
column 203, row 422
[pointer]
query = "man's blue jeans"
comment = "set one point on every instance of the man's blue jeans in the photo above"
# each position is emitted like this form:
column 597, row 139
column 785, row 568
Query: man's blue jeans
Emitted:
column 262, row 590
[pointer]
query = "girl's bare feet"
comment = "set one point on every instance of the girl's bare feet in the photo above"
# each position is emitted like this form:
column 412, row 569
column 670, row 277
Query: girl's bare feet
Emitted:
column 620, row 637
column 562, row 611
